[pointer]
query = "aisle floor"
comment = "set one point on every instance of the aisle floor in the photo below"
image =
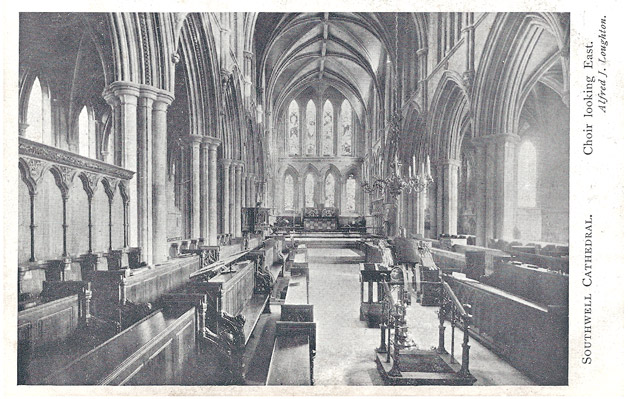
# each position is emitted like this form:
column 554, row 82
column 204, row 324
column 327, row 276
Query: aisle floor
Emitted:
column 345, row 346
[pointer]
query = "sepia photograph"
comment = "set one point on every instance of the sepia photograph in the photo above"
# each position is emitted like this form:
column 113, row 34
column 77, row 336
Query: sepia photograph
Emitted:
column 314, row 199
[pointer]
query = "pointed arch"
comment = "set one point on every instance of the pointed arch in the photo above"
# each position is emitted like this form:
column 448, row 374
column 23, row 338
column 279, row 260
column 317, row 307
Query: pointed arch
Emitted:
column 449, row 113
column 518, row 49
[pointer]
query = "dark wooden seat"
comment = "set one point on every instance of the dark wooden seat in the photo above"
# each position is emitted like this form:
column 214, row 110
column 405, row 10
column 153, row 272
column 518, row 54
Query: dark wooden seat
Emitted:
column 137, row 354
column 292, row 362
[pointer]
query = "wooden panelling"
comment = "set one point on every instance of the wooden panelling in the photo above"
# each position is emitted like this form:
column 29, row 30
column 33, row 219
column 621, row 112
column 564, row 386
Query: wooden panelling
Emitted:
column 151, row 352
column 533, row 338
column 49, row 322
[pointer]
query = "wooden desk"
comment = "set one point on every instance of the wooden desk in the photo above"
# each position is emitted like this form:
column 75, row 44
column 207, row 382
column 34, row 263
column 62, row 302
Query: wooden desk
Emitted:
column 292, row 361
column 289, row 364
column 372, row 274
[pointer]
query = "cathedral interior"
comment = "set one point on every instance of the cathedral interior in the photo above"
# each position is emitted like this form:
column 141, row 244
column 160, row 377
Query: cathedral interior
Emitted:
column 293, row 198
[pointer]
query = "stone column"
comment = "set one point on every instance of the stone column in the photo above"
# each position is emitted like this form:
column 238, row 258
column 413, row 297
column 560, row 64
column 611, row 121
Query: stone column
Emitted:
column 212, row 235
column 243, row 198
column 237, row 203
column 226, row 197
column 122, row 96
column 225, row 37
column 245, row 193
column 440, row 209
column 480, row 194
column 204, row 189
column 232, row 198
column 496, row 197
column 449, row 169
column 248, row 66
column 145, row 171
column 422, row 198
column 505, row 185
column 160, row 168
column 195, row 173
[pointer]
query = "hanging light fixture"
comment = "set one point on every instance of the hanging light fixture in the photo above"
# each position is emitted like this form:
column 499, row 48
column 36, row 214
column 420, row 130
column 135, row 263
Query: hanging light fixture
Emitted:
column 395, row 182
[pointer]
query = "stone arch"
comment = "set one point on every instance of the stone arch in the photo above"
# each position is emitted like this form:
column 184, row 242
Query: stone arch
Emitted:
column 448, row 112
column 290, row 171
column 338, row 183
column 519, row 46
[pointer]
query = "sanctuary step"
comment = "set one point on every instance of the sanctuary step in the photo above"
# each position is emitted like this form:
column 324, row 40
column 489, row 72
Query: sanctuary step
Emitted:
column 329, row 255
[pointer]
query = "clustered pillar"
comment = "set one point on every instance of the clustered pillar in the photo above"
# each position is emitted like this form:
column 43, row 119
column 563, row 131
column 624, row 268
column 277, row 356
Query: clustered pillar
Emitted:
column 195, row 180
column 160, row 167
column 212, row 148
column 226, row 178
column 449, row 179
column 496, row 191
column 140, row 137
column 204, row 200
column 237, row 200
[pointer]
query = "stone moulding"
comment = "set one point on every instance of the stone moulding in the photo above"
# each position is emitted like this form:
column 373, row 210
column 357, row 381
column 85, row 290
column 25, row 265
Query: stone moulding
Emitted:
column 28, row 148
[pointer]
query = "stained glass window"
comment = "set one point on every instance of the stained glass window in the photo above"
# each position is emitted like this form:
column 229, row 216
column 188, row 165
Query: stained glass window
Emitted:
column 310, row 128
column 288, row 193
column 293, row 128
column 328, row 130
column 34, row 131
column 309, row 190
column 330, row 190
column 350, row 200
column 527, row 175
column 346, row 128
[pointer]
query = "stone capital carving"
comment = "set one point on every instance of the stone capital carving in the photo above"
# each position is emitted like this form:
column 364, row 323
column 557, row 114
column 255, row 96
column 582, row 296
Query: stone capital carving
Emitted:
column 211, row 142
column 90, row 182
column 194, row 139
column 122, row 93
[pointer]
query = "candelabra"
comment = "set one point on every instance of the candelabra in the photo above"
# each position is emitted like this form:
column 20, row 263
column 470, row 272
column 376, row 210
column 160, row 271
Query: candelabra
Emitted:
column 395, row 183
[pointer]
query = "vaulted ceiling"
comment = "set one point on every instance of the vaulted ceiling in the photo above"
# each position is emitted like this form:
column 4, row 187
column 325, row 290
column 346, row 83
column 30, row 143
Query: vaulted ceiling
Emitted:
column 345, row 50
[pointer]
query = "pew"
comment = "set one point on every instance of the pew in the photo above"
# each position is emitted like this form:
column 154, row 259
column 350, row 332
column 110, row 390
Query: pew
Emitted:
column 121, row 296
column 532, row 336
column 237, row 292
column 153, row 351
column 292, row 361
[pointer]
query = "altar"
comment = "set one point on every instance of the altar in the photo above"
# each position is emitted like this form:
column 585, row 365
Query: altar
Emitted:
column 320, row 219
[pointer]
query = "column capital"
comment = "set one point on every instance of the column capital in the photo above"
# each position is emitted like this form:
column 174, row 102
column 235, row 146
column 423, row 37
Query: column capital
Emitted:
column 239, row 165
column 163, row 101
column 193, row 139
column 226, row 162
column 248, row 54
column 121, row 92
column 211, row 142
